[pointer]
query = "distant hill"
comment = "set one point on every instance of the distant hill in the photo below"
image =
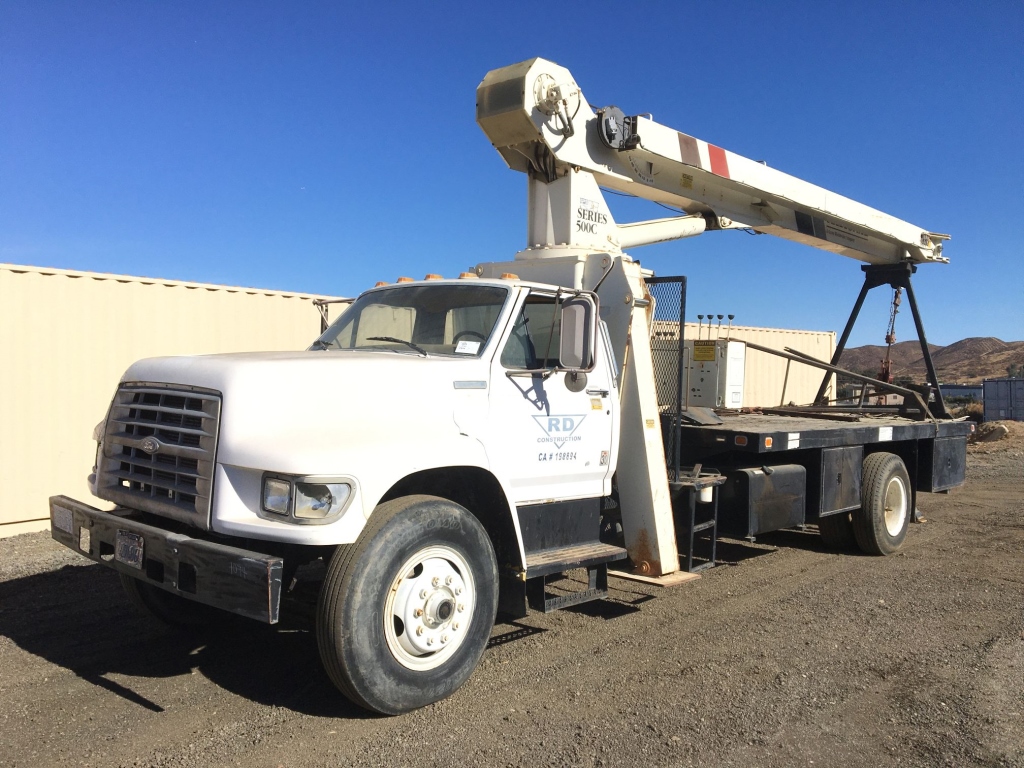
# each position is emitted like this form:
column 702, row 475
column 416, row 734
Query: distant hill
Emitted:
column 967, row 361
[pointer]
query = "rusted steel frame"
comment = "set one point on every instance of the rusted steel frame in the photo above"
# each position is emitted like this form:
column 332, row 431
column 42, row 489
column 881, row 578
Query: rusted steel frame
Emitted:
column 811, row 413
column 800, row 357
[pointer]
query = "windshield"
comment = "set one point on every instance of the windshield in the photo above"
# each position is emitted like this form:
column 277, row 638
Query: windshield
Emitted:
column 419, row 319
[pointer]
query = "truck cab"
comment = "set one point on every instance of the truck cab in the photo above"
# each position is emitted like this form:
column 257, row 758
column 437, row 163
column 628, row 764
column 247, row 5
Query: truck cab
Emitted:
column 480, row 411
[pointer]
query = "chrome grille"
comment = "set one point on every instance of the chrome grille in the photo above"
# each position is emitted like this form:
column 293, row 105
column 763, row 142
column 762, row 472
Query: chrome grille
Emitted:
column 159, row 448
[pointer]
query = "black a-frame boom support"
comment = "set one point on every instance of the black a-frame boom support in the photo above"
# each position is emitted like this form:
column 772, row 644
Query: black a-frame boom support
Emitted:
column 895, row 276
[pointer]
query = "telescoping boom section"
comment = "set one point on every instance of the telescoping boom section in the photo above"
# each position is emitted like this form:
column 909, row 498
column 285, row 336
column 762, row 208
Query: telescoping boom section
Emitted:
column 537, row 117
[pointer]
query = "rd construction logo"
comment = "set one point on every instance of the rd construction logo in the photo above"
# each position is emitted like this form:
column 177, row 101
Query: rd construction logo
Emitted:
column 560, row 430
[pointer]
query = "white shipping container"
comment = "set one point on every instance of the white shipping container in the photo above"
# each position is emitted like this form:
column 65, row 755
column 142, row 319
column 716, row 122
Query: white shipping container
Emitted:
column 66, row 337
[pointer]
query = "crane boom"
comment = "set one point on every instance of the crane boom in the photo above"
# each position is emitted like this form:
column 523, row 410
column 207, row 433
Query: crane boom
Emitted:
column 537, row 118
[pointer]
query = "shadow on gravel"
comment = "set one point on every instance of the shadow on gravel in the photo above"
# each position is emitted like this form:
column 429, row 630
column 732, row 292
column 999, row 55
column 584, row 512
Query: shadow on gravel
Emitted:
column 734, row 551
column 516, row 631
column 77, row 618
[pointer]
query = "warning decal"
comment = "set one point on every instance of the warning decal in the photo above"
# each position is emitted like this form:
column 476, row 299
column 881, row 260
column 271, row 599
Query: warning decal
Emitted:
column 704, row 350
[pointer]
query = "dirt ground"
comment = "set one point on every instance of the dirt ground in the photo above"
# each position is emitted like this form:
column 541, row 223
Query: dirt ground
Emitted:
column 785, row 655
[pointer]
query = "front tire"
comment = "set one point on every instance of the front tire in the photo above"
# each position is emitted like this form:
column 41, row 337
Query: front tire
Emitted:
column 880, row 525
column 167, row 608
column 406, row 611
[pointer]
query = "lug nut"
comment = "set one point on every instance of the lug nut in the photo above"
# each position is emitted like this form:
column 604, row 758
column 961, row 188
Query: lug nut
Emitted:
column 455, row 625
column 430, row 641
column 423, row 594
column 419, row 630
column 448, row 581
column 418, row 612
column 458, row 590
column 435, row 581
column 444, row 638
column 462, row 607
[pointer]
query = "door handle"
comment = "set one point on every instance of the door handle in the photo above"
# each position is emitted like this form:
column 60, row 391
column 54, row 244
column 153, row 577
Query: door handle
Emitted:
column 601, row 392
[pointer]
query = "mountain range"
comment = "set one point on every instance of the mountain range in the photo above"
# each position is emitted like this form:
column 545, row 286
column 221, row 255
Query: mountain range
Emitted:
column 967, row 361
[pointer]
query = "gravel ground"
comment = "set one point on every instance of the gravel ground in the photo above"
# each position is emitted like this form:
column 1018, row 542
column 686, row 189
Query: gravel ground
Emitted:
column 786, row 655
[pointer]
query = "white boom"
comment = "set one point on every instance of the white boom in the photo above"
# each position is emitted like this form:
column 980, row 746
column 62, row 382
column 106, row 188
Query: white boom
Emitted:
column 536, row 116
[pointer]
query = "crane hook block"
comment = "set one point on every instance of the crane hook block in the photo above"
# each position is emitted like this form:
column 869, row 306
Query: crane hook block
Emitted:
column 617, row 130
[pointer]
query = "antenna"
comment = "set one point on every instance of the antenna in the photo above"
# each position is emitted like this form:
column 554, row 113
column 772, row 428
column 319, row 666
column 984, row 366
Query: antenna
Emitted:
column 720, row 326
column 700, row 322
column 728, row 332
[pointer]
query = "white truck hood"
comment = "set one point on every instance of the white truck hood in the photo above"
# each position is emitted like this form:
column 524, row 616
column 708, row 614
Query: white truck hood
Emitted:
column 304, row 412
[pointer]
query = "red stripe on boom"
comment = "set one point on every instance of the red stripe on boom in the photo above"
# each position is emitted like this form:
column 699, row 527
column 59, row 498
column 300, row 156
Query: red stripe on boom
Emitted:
column 719, row 165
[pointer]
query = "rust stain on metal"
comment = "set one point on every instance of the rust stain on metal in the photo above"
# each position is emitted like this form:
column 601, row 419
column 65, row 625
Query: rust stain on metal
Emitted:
column 642, row 556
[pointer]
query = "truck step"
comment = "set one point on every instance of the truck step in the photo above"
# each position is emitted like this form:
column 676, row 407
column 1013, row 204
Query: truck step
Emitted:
column 544, row 564
column 559, row 559
column 538, row 598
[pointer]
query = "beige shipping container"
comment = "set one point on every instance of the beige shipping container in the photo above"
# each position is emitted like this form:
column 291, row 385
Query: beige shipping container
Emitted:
column 766, row 382
column 66, row 337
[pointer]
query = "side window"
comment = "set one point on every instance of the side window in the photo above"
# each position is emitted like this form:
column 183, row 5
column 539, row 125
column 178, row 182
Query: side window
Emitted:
column 535, row 336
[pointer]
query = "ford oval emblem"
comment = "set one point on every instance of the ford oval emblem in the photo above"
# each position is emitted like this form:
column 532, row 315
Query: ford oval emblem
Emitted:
column 150, row 445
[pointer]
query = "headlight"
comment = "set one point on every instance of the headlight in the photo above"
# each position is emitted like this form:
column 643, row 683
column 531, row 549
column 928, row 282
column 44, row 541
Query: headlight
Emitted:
column 315, row 501
column 305, row 499
column 277, row 495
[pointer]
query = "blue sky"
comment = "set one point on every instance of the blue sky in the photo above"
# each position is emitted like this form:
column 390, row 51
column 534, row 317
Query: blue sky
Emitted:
column 321, row 147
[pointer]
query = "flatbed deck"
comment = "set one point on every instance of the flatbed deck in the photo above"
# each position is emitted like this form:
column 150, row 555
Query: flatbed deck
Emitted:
column 764, row 433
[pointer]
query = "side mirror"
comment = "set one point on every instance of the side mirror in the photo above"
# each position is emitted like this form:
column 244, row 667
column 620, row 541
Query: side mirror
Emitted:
column 576, row 351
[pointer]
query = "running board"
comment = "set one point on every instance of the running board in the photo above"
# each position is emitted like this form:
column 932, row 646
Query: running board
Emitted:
column 593, row 556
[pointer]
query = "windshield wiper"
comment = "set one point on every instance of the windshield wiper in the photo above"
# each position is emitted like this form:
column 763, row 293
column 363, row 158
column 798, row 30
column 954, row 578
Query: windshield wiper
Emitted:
column 321, row 344
column 392, row 339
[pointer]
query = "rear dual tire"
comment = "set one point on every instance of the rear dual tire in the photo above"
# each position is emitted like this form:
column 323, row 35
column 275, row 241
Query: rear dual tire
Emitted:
column 837, row 531
column 879, row 526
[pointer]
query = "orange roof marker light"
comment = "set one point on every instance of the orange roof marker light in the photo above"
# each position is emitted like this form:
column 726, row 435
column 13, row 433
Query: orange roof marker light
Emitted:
column 379, row 283
column 468, row 276
column 405, row 280
column 433, row 276
column 509, row 276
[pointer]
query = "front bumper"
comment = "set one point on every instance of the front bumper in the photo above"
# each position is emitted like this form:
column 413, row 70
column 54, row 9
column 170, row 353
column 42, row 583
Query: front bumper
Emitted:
column 232, row 579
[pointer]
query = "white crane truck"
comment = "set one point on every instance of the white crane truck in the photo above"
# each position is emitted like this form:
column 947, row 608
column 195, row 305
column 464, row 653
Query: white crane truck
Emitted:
column 448, row 447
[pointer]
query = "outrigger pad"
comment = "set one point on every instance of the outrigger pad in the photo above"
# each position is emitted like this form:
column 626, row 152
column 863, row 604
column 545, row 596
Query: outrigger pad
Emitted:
column 700, row 415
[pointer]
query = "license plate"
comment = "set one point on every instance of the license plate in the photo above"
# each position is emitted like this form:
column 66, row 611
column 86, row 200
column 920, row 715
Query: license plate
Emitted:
column 64, row 519
column 129, row 549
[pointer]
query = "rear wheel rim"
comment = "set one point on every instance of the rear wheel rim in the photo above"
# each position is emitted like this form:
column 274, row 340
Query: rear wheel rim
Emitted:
column 895, row 506
column 429, row 608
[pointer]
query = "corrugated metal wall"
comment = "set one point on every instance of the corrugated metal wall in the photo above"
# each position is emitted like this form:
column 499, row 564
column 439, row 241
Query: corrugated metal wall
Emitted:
column 65, row 339
column 764, row 374
column 1004, row 399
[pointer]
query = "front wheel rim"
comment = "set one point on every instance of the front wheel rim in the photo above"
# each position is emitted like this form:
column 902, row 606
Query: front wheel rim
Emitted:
column 429, row 608
column 895, row 506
